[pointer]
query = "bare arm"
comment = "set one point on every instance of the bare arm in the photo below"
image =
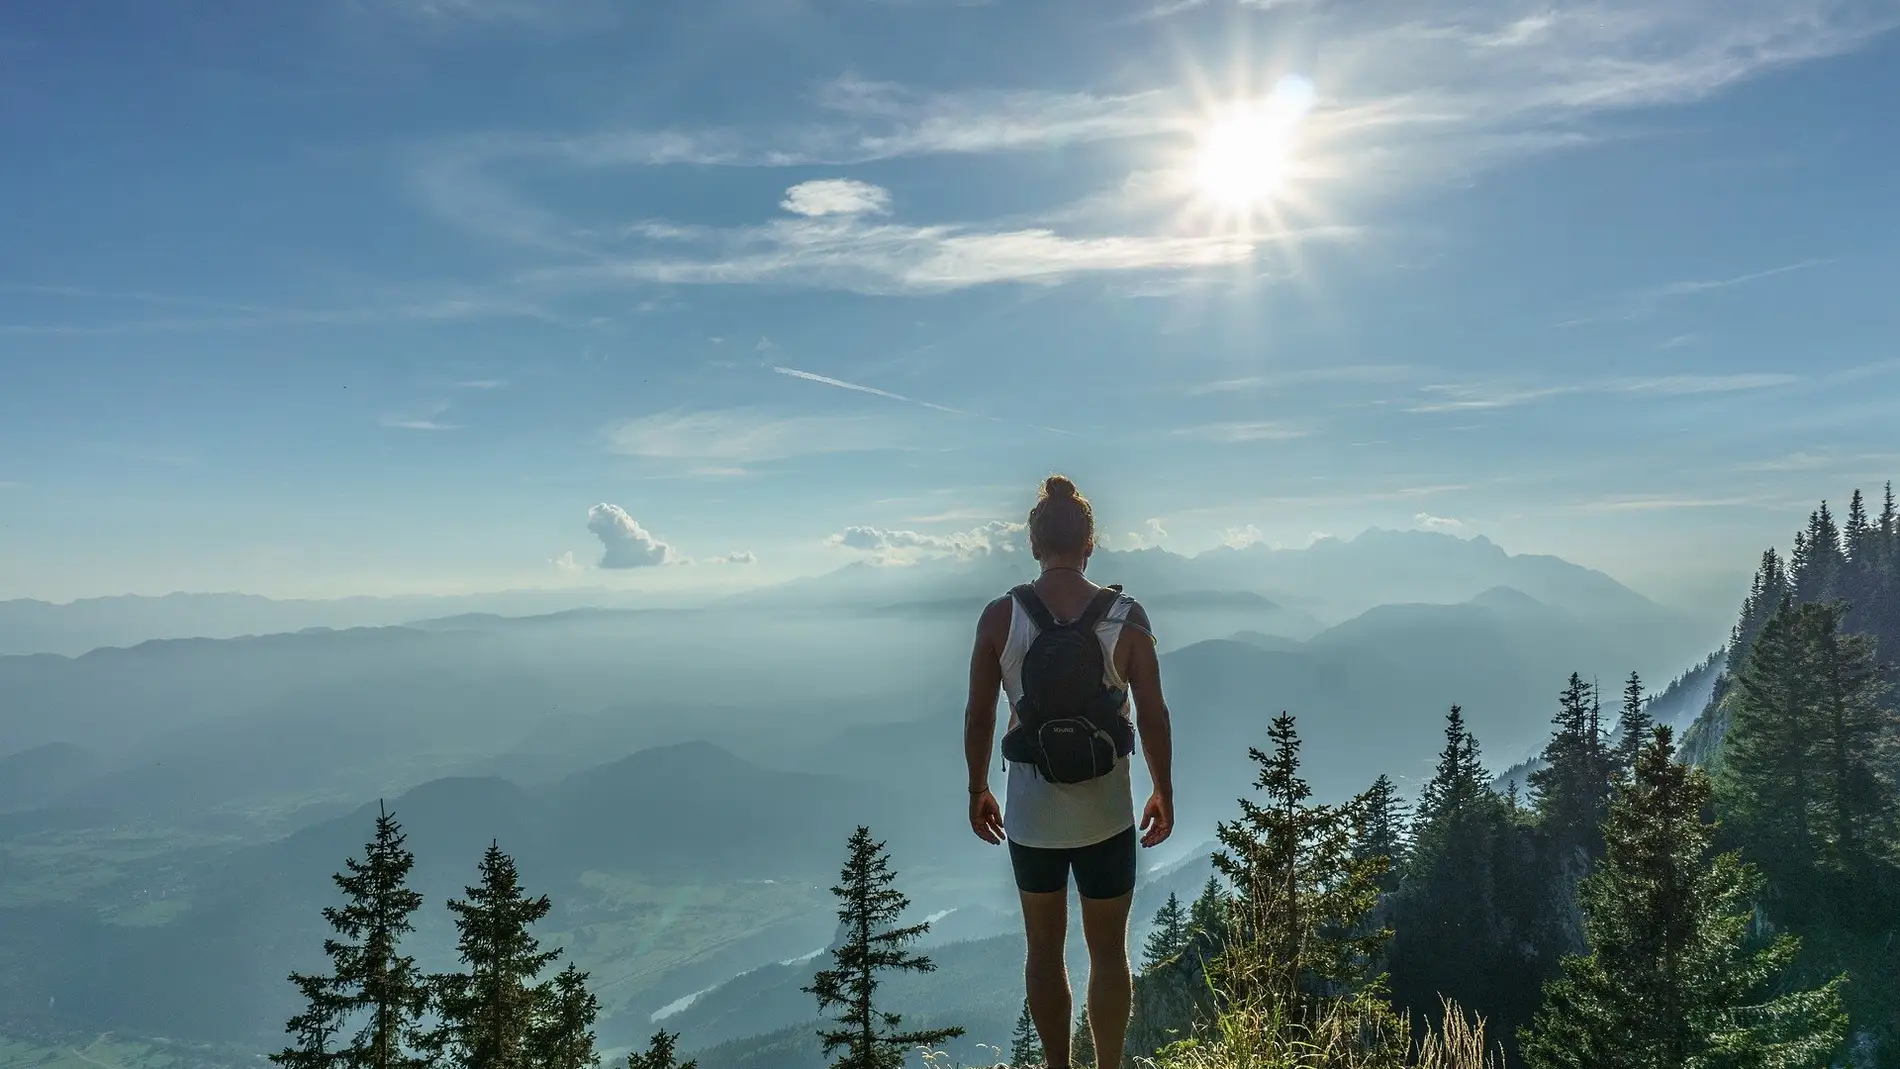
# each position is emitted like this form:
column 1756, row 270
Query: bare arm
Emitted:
column 1151, row 709
column 986, row 680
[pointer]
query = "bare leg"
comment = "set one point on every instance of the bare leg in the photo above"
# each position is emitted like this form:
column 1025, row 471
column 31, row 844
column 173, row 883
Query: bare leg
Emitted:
column 1111, row 981
column 1046, row 974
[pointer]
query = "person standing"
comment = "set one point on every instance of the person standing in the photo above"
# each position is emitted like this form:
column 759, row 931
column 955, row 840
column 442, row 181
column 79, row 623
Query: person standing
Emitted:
column 1071, row 657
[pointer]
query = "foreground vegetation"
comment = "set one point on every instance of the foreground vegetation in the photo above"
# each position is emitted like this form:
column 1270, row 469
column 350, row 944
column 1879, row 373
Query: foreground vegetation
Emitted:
column 1619, row 909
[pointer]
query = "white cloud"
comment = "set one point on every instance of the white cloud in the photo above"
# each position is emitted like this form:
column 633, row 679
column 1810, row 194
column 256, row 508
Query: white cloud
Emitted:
column 421, row 419
column 1241, row 537
column 1241, row 433
column 1437, row 523
column 851, row 254
column 482, row 384
column 736, row 436
column 1472, row 396
column 997, row 536
column 624, row 543
column 744, row 556
column 1410, row 97
column 1150, row 537
column 836, row 196
column 565, row 562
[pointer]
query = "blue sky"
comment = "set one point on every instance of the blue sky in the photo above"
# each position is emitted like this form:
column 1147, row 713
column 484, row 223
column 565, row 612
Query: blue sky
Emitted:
column 386, row 295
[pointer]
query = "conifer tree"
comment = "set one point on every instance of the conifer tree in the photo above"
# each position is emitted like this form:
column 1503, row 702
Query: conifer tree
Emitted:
column 1572, row 790
column 1471, row 920
column 564, row 1032
column 1301, row 897
column 316, row 1028
column 1025, row 1046
column 1082, row 1046
column 1672, row 981
column 1208, row 915
column 1634, row 723
column 489, row 1013
column 660, row 1054
column 869, row 906
column 1169, row 935
column 369, row 979
column 1382, row 829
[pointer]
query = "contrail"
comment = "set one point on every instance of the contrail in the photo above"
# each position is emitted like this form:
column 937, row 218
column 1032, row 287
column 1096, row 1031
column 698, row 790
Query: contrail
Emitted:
column 872, row 390
column 826, row 380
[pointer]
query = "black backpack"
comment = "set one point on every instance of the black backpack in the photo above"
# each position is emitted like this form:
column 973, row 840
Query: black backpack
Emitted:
column 1069, row 723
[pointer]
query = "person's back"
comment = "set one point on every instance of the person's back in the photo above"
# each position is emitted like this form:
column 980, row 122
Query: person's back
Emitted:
column 1068, row 751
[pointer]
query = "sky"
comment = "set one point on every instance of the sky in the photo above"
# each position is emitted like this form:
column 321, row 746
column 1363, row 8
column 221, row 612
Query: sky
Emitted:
column 377, row 296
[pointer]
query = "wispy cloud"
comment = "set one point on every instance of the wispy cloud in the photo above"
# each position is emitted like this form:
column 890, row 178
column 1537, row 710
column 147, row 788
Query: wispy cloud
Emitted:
column 1646, row 302
column 1694, row 286
column 1660, row 502
column 1437, row 523
column 856, row 255
column 1242, row 432
column 1304, row 376
column 250, row 317
column 737, row 436
column 1477, row 396
column 422, row 418
column 482, row 384
column 1814, row 461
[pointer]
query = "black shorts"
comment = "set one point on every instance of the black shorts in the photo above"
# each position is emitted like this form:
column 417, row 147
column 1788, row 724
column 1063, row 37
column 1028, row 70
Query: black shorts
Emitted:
column 1104, row 870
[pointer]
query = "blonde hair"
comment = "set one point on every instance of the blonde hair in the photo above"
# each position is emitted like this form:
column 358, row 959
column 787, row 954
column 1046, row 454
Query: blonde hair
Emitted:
column 1063, row 521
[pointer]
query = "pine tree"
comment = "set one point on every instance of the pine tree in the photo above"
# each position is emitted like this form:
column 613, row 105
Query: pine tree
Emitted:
column 1672, row 981
column 564, row 1034
column 1382, row 831
column 369, row 977
column 660, row 1054
column 1572, row 790
column 1634, row 724
column 1471, row 918
column 1169, row 935
column 1082, row 1046
column 1025, row 1047
column 1855, row 805
column 869, row 906
column 489, row 1013
column 1767, row 768
column 1302, row 898
column 1208, row 916
column 316, row 1028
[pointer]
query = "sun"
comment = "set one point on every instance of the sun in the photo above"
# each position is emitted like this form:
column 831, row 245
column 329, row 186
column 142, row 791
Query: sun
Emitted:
column 1247, row 150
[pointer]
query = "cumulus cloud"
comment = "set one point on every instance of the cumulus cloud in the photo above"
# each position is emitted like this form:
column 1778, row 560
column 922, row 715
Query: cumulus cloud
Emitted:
column 1241, row 537
column 1437, row 523
column 744, row 556
column 566, row 562
column 1150, row 536
column 836, row 196
column 624, row 543
column 997, row 536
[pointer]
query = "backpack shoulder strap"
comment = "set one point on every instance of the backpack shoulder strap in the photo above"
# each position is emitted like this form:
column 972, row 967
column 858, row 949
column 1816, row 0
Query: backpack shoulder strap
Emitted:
column 1099, row 605
column 1031, row 602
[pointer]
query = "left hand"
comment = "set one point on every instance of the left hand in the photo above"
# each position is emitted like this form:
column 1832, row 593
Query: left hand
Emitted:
column 1157, row 820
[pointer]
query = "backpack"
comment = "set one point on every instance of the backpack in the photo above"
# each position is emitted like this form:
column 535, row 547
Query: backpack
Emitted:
column 1069, row 722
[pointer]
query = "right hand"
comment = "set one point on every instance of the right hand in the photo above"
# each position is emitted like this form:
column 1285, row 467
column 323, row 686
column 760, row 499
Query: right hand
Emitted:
column 986, row 817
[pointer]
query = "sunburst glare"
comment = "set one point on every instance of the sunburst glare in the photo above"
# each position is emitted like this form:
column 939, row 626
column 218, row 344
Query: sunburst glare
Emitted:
column 1245, row 152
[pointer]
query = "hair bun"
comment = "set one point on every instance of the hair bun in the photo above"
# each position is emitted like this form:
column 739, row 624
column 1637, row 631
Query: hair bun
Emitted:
column 1058, row 486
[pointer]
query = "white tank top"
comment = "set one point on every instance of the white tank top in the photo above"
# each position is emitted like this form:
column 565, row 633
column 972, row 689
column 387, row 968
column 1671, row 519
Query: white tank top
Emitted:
column 1064, row 816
